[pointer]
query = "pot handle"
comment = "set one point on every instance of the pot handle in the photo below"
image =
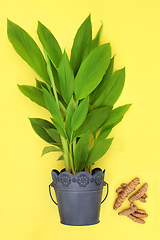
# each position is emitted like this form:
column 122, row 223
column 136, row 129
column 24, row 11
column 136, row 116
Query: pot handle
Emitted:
column 104, row 184
column 51, row 185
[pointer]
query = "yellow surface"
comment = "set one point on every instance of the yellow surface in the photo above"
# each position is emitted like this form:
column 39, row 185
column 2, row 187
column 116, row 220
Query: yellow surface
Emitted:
column 132, row 28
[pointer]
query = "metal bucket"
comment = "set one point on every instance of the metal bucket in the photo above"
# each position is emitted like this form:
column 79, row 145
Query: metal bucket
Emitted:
column 79, row 196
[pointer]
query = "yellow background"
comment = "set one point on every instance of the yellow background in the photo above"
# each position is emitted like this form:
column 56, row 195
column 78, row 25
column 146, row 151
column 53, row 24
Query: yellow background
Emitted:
column 133, row 29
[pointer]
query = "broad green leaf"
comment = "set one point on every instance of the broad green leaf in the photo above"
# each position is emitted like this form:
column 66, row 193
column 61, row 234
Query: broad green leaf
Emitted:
column 94, row 120
column 62, row 104
column 33, row 93
column 43, row 123
column 50, row 149
column 40, row 84
column 54, row 135
column 80, row 114
column 100, row 91
column 98, row 150
column 81, row 152
column 93, row 44
column 55, row 75
column 82, row 39
column 70, row 111
column 62, row 101
column 26, row 47
column 104, row 133
column 114, row 87
column 52, row 72
column 60, row 158
column 66, row 78
column 92, row 70
column 50, row 44
column 116, row 114
column 53, row 108
column 59, row 129
column 41, row 132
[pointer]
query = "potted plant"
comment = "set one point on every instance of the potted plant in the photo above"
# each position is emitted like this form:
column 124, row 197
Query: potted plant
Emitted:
column 80, row 94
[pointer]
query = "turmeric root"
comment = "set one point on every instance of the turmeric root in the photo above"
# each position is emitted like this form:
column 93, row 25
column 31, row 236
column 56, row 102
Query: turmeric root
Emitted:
column 141, row 199
column 140, row 215
column 134, row 213
column 140, row 211
column 127, row 190
column 119, row 190
column 128, row 211
column 136, row 219
column 144, row 196
column 139, row 194
column 123, row 185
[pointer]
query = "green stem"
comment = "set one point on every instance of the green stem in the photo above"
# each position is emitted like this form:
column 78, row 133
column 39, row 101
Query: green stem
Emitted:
column 71, row 158
column 65, row 153
column 74, row 144
column 62, row 107
column 63, row 140
column 49, row 69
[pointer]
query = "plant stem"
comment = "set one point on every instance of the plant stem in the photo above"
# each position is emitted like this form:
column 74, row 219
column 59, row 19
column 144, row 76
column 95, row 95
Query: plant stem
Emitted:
column 62, row 107
column 74, row 144
column 65, row 153
column 49, row 69
column 63, row 140
column 71, row 158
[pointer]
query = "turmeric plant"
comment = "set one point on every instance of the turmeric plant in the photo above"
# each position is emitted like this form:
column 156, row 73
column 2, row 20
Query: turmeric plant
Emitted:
column 79, row 91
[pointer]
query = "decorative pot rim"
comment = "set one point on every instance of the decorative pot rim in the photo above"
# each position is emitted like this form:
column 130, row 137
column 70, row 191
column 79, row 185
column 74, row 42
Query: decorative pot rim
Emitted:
column 81, row 181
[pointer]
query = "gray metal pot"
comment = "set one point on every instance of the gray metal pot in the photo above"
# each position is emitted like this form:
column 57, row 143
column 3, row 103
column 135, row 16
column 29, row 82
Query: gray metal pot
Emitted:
column 79, row 196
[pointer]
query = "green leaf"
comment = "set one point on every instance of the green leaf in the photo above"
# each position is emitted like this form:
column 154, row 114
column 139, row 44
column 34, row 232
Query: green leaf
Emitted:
column 92, row 70
column 53, row 108
column 82, row 39
column 60, row 158
column 94, row 120
column 93, row 44
column 100, row 91
column 55, row 75
column 40, row 84
column 50, row 44
column 61, row 100
column 66, row 78
column 26, row 47
column 33, row 93
column 59, row 129
column 50, row 149
column 115, row 86
column 81, row 152
column 41, row 132
column 116, row 114
column 80, row 114
column 43, row 123
column 105, row 131
column 70, row 111
column 54, row 135
column 98, row 150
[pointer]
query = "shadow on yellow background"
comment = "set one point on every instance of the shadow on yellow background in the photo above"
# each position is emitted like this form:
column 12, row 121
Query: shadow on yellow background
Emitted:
column 132, row 28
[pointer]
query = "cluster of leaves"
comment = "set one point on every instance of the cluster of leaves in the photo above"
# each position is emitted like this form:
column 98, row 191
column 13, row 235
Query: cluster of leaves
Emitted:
column 79, row 92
